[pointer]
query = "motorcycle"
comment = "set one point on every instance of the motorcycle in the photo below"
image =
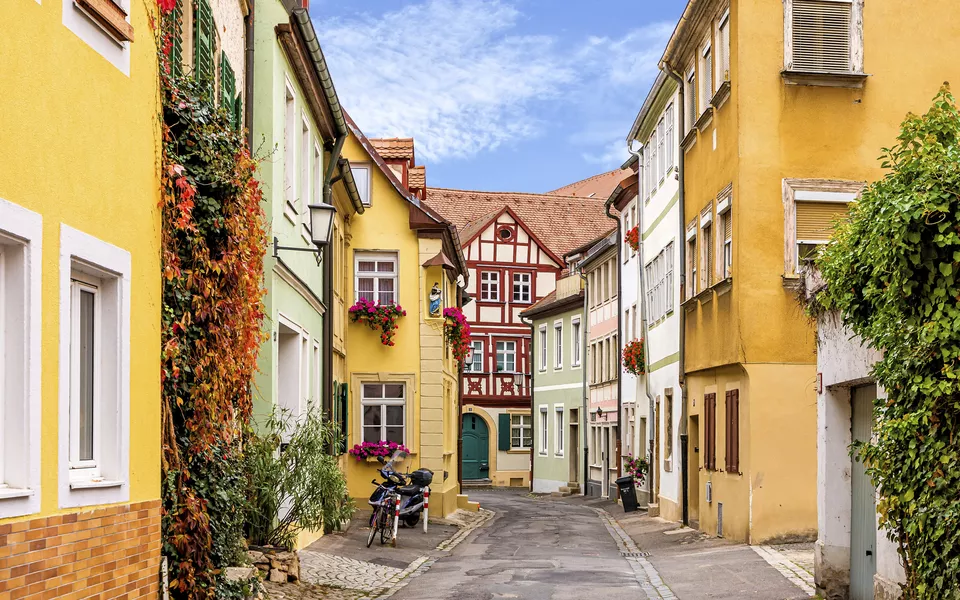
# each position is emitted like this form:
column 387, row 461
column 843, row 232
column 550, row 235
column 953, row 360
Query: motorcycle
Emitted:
column 410, row 486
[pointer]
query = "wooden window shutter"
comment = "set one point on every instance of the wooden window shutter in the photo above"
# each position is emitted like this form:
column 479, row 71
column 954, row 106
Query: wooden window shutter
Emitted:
column 728, row 226
column 815, row 219
column 735, row 430
column 203, row 43
column 228, row 87
column 710, row 432
column 175, row 30
column 821, row 35
column 238, row 112
column 503, row 432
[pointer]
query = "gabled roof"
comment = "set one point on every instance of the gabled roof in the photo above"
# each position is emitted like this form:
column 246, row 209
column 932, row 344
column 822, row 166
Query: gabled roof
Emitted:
column 598, row 186
column 417, row 177
column 472, row 230
column 391, row 148
column 550, row 304
column 560, row 223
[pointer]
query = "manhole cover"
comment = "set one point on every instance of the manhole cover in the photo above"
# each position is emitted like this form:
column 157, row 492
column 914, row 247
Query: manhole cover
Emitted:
column 634, row 554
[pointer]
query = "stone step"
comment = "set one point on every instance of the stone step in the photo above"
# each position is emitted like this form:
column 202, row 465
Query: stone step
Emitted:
column 464, row 503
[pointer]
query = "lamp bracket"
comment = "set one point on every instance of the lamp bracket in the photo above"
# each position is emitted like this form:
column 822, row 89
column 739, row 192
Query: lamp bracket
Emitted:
column 316, row 251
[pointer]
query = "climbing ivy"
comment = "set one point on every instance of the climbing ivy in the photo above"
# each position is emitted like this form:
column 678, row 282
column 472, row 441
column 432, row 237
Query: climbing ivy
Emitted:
column 893, row 273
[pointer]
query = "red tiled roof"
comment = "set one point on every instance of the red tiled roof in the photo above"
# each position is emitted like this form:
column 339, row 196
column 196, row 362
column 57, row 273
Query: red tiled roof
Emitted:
column 560, row 222
column 394, row 147
column 598, row 186
column 417, row 177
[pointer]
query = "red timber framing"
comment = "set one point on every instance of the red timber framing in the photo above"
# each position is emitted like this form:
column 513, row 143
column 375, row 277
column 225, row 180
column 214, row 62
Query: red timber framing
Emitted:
column 510, row 270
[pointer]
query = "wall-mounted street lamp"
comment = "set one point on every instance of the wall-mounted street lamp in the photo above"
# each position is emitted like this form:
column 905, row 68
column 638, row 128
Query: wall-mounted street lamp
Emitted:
column 321, row 230
column 518, row 381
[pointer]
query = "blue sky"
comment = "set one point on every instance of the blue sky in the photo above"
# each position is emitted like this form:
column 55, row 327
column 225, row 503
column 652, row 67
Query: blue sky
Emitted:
column 509, row 95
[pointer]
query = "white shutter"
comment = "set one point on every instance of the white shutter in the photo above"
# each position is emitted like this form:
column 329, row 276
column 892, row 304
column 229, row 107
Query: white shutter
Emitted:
column 821, row 35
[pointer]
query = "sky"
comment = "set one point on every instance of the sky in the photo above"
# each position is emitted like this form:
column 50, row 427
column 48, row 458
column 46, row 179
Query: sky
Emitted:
column 499, row 95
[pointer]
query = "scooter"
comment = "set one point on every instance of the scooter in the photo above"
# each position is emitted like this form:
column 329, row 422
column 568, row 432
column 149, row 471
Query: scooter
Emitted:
column 411, row 495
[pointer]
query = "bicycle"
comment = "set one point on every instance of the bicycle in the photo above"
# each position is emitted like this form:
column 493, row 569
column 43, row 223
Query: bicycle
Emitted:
column 382, row 519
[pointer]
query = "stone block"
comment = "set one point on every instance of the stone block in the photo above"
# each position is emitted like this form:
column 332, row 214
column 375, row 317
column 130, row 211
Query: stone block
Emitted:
column 240, row 573
column 278, row 576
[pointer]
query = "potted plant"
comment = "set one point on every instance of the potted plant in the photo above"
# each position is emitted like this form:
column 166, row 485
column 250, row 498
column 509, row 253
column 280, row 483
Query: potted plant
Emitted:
column 636, row 466
column 376, row 449
column 456, row 331
column 632, row 238
column 633, row 358
column 382, row 317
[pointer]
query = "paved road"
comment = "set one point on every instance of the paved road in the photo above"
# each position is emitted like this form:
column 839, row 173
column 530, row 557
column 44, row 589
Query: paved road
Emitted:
column 532, row 550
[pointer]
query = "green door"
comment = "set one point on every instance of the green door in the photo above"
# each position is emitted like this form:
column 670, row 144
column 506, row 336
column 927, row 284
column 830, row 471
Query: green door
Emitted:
column 475, row 448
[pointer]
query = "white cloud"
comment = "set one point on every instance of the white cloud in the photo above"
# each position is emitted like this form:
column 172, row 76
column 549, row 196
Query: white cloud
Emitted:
column 457, row 76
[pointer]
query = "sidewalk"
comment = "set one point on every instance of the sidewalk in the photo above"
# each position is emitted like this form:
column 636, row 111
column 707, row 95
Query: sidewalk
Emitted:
column 698, row 567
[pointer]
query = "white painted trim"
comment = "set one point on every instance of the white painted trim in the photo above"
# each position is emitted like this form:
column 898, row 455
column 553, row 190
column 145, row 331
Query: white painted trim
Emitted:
column 817, row 196
column 113, row 265
column 287, row 276
column 94, row 35
column 576, row 342
column 27, row 227
column 543, row 342
column 563, row 386
column 558, row 339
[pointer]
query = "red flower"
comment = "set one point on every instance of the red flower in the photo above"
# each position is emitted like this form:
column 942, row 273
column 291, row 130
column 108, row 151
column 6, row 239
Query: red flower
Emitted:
column 634, row 360
column 632, row 238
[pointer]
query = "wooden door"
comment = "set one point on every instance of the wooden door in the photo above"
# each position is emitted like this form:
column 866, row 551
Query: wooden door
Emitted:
column 693, row 470
column 863, row 524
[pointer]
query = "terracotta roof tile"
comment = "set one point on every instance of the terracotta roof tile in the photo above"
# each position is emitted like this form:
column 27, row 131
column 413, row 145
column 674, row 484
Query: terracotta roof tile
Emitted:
column 599, row 186
column 561, row 222
column 417, row 177
column 394, row 147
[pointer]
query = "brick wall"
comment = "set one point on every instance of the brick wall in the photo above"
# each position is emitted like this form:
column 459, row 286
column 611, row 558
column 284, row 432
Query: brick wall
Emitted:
column 104, row 553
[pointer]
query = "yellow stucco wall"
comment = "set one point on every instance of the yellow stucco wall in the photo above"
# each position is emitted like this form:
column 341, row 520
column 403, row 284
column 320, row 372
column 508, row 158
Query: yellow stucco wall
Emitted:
column 81, row 147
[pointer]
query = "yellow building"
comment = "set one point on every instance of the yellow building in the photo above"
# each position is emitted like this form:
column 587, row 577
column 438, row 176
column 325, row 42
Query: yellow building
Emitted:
column 786, row 106
column 79, row 299
column 397, row 251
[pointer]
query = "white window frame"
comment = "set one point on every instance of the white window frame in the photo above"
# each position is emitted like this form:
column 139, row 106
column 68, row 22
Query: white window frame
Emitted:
column 723, row 48
column 303, row 195
column 669, row 135
column 289, row 152
column 316, row 372
column 85, row 469
column 21, row 235
column 492, row 280
column 558, row 439
column 394, row 275
column 84, row 255
column 316, row 196
column 691, row 240
column 512, row 353
column 383, row 403
column 542, row 341
column 522, row 283
column 856, row 35
column 116, row 52
column 558, row 345
column 362, row 179
column 476, row 350
column 692, row 101
column 706, row 77
column 706, row 241
column 809, row 190
column 544, row 430
column 523, row 425
column 576, row 343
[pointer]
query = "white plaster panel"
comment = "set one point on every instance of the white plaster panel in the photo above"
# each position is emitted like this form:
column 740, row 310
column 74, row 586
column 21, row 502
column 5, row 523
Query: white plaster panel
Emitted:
column 546, row 283
column 504, row 253
column 470, row 312
column 489, row 313
column 486, row 252
column 474, row 251
column 487, row 234
column 522, row 254
column 522, row 236
column 506, row 218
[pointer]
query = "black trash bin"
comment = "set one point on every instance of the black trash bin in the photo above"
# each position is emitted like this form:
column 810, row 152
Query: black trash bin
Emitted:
column 628, row 493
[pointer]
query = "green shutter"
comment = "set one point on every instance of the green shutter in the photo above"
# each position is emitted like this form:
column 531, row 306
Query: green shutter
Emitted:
column 237, row 112
column 175, row 28
column 203, row 43
column 228, row 87
column 503, row 432
column 344, row 403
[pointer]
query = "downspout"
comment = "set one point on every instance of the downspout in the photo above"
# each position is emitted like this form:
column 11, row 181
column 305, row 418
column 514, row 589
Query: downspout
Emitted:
column 619, row 342
column 248, row 24
column 459, row 461
column 684, row 441
column 651, row 409
column 533, row 403
column 327, row 401
column 584, row 415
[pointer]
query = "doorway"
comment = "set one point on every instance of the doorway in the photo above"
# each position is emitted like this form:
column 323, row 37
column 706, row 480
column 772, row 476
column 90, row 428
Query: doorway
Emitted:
column 863, row 523
column 693, row 472
column 476, row 439
column 605, row 476
column 574, row 441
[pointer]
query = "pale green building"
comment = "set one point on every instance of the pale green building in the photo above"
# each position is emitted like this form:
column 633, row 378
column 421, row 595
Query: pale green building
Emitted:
column 558, row 360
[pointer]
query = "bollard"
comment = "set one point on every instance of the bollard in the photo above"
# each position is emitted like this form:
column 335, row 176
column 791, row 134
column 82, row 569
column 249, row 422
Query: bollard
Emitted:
column 396, row 520
column 426, row 508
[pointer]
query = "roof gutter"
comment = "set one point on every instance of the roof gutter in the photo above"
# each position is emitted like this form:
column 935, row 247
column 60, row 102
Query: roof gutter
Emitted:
column 305, row 25
column 673, row 44
column 346, row 175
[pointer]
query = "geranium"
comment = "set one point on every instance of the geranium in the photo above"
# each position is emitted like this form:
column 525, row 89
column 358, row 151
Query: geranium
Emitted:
column 632, row 238
column 382, row 317
column 381, row 448
column 636, row 466
column 633, row 358
column 456, row 331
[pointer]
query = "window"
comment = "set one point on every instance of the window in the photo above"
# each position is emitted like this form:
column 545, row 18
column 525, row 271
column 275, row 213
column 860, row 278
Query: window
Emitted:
column 691, row 95
column 361, row 177
column 662, row 164
column 691, row 282
column 521, row 287
column 706, row 247
column 671, row 118
column 723, row 47
column 659, row 275
column 575, row 341
column 94, row 370
column 732, row 412
column 383, row 405
column 317, row 178
column 648, row 169
column 104, row 29
column 725, row 237
column 475, row 364
column 317, row 386
column 710, row 431
column 543, row 347
column 706, row 78
column 521, row 432
column 289, row 151
column 20, row 367
column 811, row 208
column 376, row 277
column 822, row 37
column 558, row 345
column 627, row 323
column 655, row 159
column 506, row 357
column 668, row 252
column 543, row 429
column 490, row 286
column 668, row 430
column 303, row 198
column 558, row 428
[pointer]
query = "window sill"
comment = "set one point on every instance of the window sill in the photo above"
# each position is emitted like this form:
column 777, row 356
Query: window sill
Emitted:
column 791, row 282
column 724, row 285
column 558, row 455
column 723, row 93
column 705, row 119
column 110, row 17
column 290, row 212
column 705, row 295
column 10, row 493
column 689, row 140
column 92, row 484
column 520, row 451
column 373, row 459
column 690, row 304
column 824, row 79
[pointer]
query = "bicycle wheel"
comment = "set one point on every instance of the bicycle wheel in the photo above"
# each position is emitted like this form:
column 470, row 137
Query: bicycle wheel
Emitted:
column 374, row 525
column 386, row 530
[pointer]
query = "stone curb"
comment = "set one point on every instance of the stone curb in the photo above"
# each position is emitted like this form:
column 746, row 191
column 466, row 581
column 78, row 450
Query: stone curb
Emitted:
column 452, row 542
column 795, row 574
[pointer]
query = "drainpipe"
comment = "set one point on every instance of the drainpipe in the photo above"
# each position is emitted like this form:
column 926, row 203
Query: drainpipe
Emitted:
column 584, row 415
column 533, row 404
column 684, row 441
column 248, row 73
column 459, row 461
column 327, row 401
column 619, row 341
